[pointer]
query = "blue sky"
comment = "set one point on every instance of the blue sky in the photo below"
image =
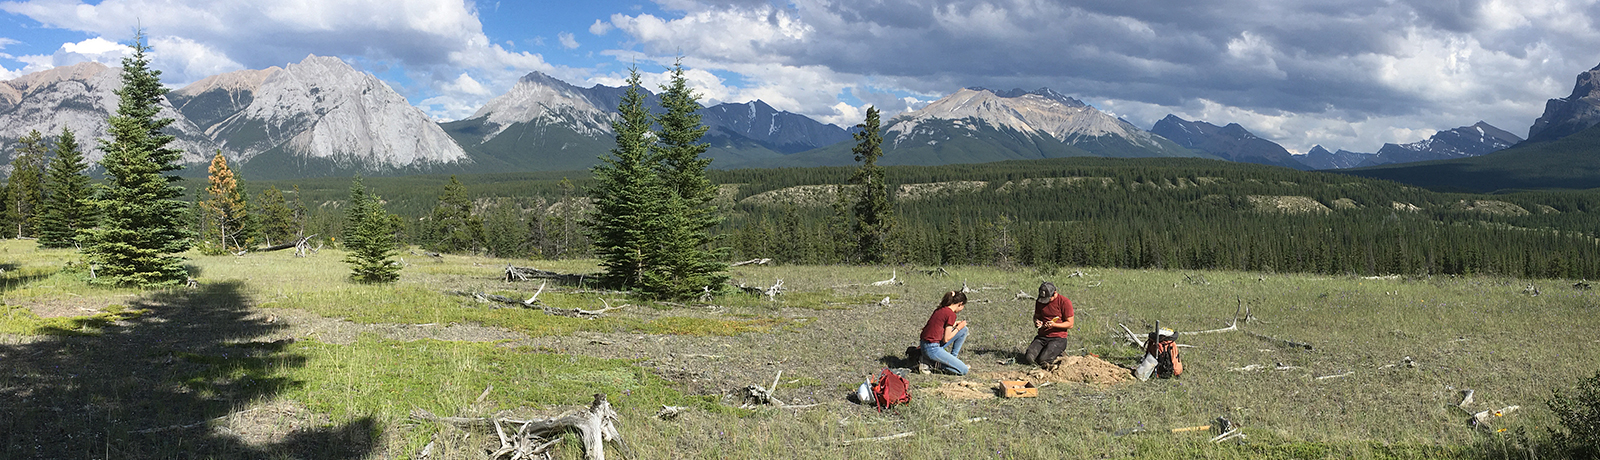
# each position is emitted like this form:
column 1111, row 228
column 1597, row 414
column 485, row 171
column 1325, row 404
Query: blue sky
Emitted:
column 1349, row 74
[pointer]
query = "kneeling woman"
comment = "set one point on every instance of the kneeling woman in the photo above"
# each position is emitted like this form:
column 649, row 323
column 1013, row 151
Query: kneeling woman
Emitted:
column 943, row 329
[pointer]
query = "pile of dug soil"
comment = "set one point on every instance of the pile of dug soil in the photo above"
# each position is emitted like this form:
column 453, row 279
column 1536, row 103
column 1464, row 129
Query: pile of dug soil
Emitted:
column 962, row 390
column 1081, row 369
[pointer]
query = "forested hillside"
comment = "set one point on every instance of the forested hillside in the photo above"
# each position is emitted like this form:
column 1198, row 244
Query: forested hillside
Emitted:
column 1131, row 213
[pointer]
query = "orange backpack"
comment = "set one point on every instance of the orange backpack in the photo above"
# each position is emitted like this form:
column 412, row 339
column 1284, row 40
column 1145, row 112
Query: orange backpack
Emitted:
column 1167, row 363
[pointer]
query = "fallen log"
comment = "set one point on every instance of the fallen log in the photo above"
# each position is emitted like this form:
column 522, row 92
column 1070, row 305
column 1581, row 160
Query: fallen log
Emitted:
column 595, row 426
column 533, row 302
column 751, row 262
column 297, row 243
column 515, row 273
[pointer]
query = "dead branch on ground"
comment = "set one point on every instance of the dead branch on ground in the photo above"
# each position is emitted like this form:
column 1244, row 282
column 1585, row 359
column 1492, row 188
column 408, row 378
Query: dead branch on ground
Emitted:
column 759, row 261
column 1233, row 325
column 533, row 302
column 1290, row 343
column 296, row 243
column 515, row 273
column 894, row 276
column 533, row 437
column 1132, row 337
column 937, row 271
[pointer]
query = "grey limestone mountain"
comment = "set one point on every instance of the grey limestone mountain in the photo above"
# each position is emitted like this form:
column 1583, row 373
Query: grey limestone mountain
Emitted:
column 1576, row 112
column 1231, row 142
column 548, row 124
column 314, row 118
column 976, row 125
column 80, row 97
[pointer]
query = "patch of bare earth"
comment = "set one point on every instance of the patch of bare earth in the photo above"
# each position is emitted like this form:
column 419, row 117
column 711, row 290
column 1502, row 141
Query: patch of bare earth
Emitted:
column 1076, row 369
column 964, row 390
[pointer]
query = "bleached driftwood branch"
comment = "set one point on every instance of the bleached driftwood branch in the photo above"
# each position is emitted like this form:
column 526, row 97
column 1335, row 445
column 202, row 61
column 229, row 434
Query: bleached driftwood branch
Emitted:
column 533, row 302
column 751, row 262
column 1132, row 337
column 515, row 273
column 880, row 438
column 894, row 276
column 595, row 426
column 1232, row 326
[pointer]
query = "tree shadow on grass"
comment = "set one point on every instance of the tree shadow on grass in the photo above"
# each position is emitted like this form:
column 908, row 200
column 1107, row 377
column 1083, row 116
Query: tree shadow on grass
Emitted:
column 156, row 384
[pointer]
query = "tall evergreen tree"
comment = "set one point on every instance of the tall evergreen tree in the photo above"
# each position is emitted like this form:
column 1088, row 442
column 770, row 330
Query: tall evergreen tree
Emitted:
column 874, row 214
column 26, row 185
column 452, row 227
column 687, row 264
column 143, row 214
column 279, row 224
column 505, row 234
column 629, row 197
column 65, row 209
column 369, row 238
column 227, row 214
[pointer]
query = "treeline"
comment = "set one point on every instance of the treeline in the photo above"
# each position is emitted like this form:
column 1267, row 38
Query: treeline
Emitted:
column 1199, row 214
column 1128, row 213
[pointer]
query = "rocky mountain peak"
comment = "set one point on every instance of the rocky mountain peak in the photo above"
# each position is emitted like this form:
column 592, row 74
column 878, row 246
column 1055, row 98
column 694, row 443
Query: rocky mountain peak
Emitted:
column 538, row 96
column 236, row 82
column 1576, row 112
column 1042, row 111
column 1045, row 93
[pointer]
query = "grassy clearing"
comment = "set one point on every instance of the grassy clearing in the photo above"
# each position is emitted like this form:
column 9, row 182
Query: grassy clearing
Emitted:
column 829, row 330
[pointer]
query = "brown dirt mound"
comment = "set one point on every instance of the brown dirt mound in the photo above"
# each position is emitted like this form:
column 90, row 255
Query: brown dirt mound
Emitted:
column 1081, row 369
column 962, row 390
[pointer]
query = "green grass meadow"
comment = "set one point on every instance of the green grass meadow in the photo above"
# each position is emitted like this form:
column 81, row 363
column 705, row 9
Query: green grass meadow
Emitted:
column 1389, row 359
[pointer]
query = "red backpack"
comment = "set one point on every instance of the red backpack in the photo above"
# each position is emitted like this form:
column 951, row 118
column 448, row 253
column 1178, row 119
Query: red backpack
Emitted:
column 890, row 389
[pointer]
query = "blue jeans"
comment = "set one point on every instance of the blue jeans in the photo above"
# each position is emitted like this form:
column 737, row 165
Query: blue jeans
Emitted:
column 947, row 360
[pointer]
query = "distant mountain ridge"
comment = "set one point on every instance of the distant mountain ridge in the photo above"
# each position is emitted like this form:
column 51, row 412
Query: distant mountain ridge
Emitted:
column 1231, row 142
column 1466, row 141
column 1320, row 158
column 1559, row 152
column 323, row 117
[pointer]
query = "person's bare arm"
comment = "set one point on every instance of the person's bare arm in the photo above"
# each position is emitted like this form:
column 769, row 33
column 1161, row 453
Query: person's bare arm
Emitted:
column 1062, row 325
column 951, row 330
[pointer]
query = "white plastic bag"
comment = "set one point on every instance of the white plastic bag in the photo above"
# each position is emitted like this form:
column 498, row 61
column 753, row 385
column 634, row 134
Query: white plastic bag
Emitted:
column 1146, row 367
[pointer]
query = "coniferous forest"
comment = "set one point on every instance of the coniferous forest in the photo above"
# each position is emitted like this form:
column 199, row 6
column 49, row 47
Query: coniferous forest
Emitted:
column 1046, row 214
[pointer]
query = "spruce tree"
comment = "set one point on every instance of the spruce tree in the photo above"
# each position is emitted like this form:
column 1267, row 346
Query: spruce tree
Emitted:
column 26, row 185
column 687, row 264
column 65, row 209
column 452, row 227
column 143, row 217
column 369, row 238
column 874, row 214
column 226, row 213
column 629, row 197
column 278, row 221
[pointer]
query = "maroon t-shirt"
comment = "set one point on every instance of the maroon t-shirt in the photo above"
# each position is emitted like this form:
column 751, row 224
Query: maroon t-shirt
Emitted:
column 1058, row 308
column 934, row 330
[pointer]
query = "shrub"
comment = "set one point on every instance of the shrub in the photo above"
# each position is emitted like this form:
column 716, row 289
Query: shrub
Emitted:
column 1579, row 413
